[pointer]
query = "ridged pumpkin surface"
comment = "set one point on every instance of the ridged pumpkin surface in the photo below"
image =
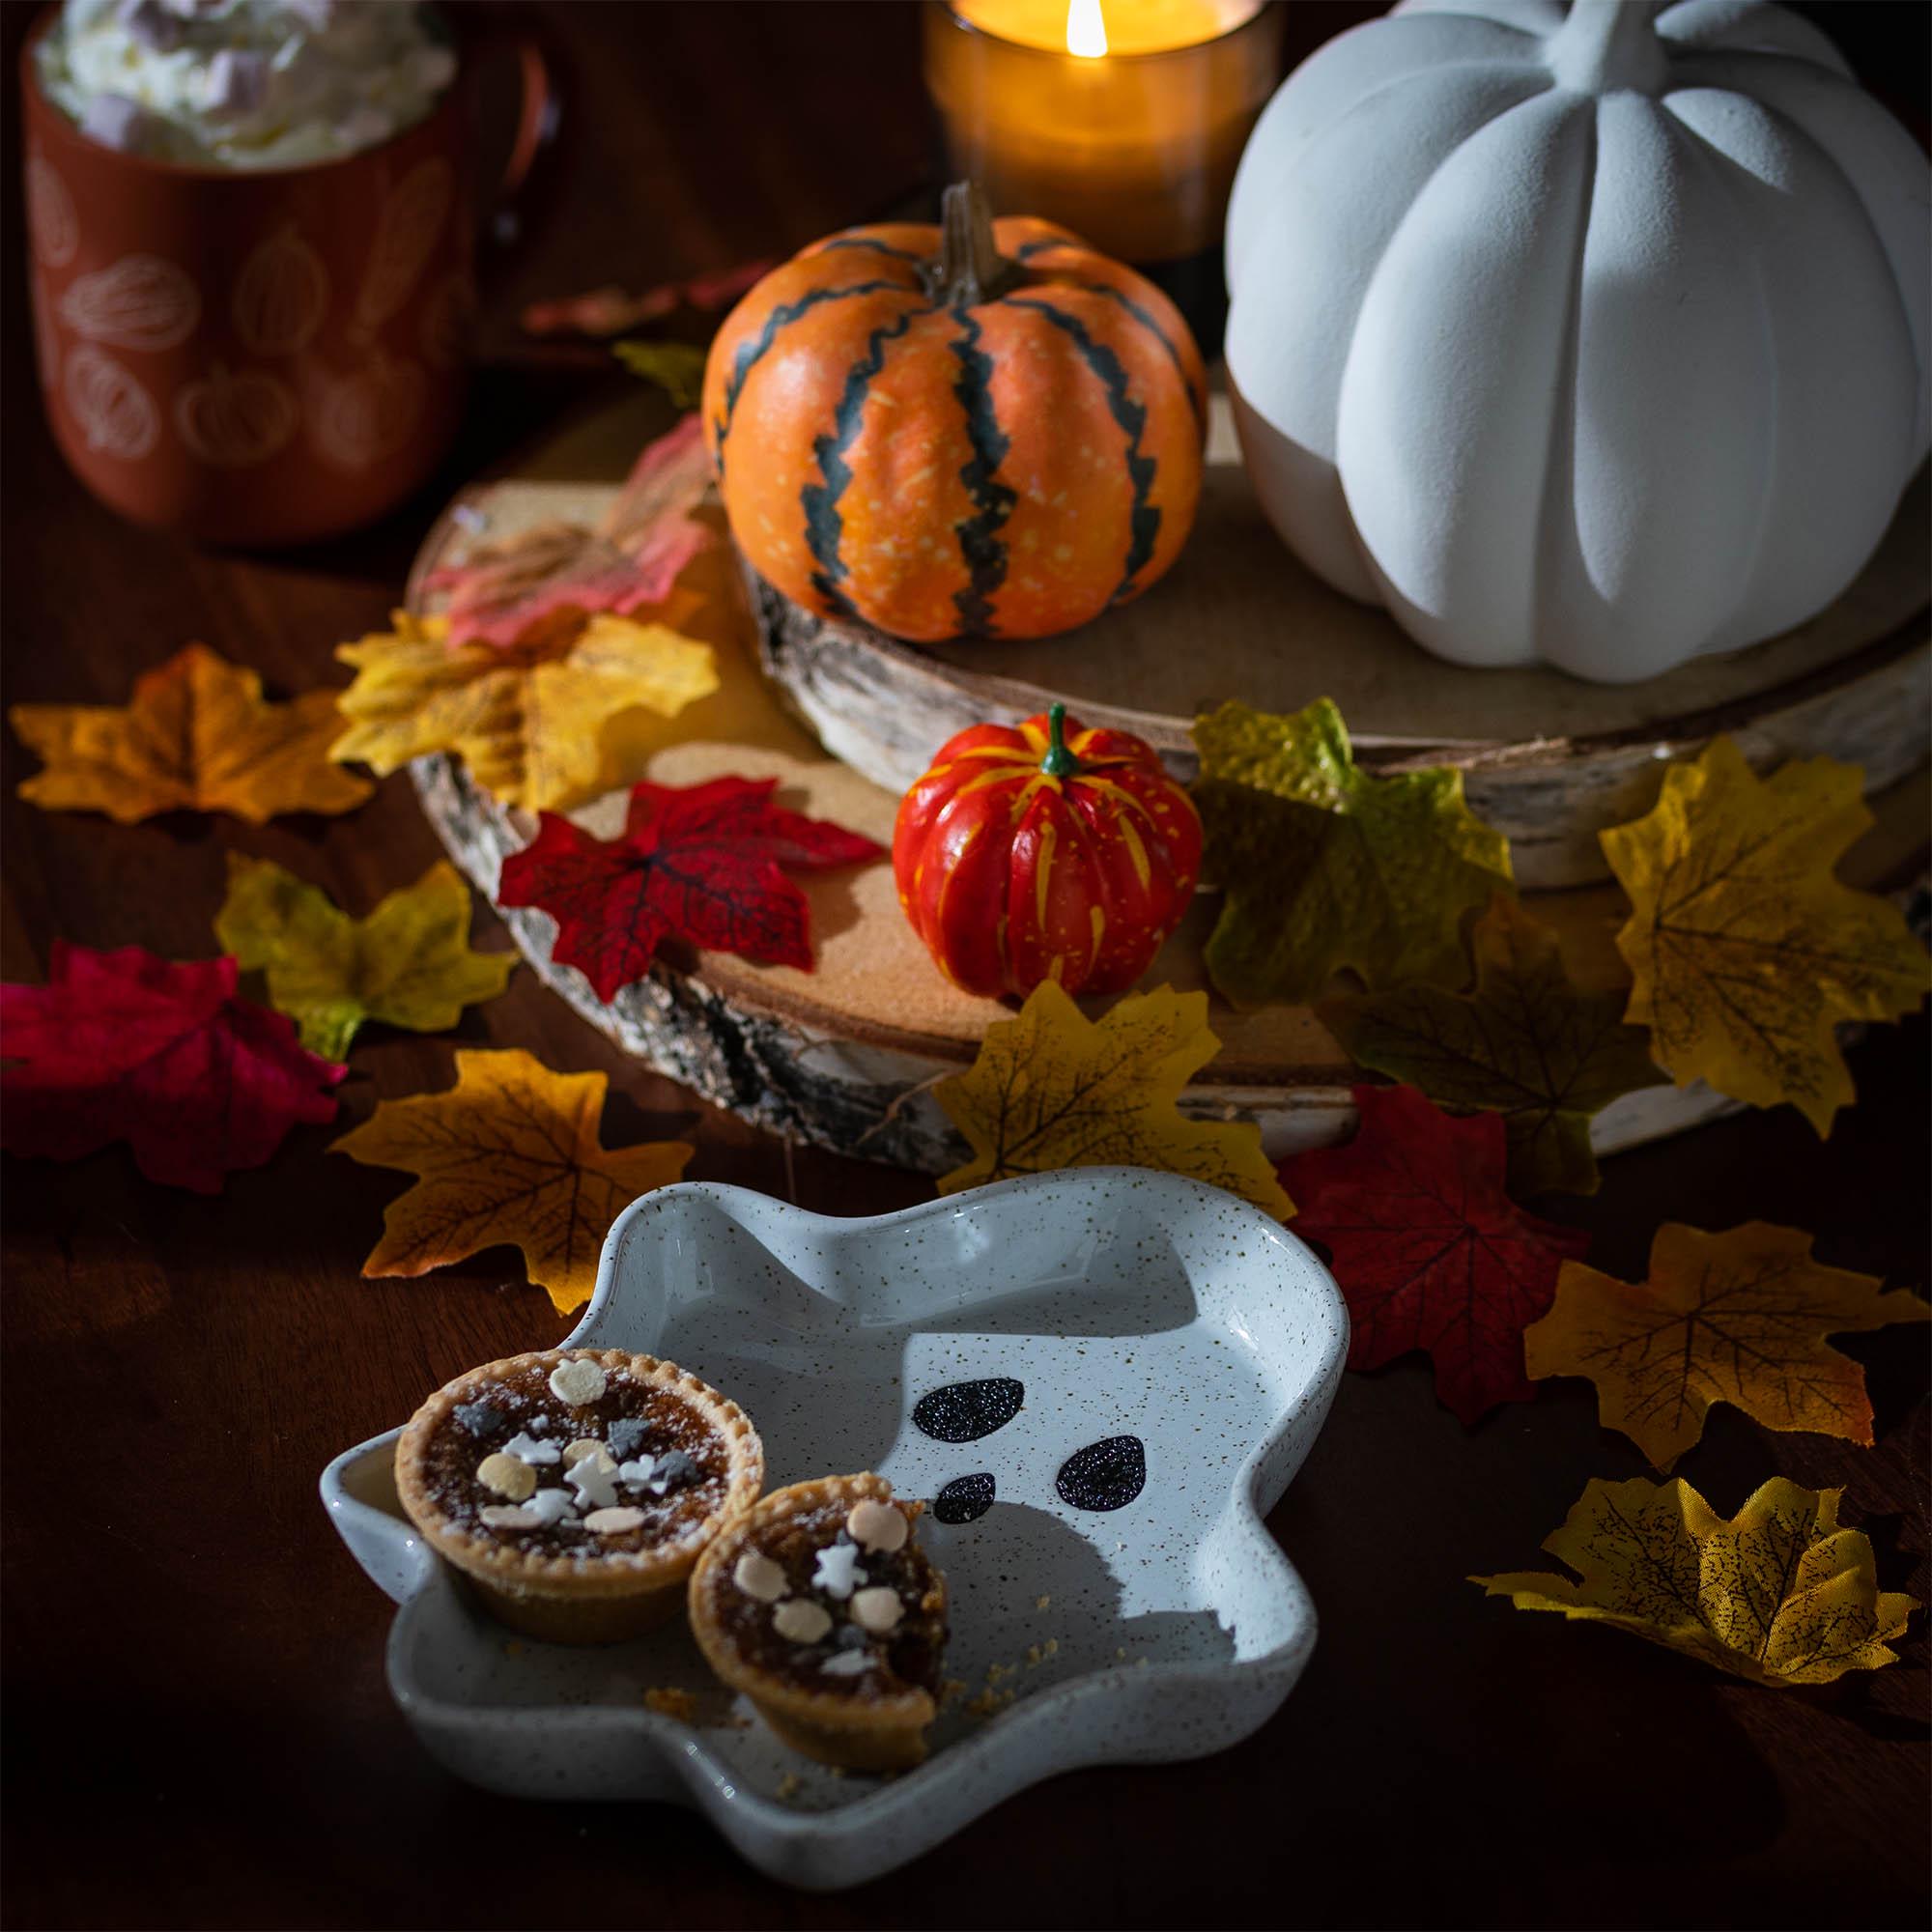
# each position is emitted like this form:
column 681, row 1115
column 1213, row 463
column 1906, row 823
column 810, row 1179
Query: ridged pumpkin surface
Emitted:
column 943, row 467
column 1023, row 856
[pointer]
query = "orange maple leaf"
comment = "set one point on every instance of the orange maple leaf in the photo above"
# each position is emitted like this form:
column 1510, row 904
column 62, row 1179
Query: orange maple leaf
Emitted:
column 510, row 1155
column 1739, row 1317
column 196, row 736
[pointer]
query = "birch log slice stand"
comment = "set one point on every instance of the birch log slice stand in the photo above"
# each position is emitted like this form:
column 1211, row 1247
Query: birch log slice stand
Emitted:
column 844, row 1057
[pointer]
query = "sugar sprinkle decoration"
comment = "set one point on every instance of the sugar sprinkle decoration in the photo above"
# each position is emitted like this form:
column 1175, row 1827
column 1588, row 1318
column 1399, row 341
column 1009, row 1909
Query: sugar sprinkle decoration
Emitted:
column 877, row 1525
column 846, row 1663
column 595, row 1482
column 625, row 1437
column 837, row 1573
column 525, row 1448
column 587, row 1445
column 636, row 1473
column 578, row 1381
column 481, row 1418
column 801, row 1620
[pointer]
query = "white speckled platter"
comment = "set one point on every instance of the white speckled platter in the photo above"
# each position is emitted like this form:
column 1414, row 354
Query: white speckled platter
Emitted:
column 1126, row 1302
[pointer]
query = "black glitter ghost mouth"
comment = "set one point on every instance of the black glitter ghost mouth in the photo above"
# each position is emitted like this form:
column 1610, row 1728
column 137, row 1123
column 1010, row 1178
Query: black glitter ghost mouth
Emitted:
column 1105, row 1475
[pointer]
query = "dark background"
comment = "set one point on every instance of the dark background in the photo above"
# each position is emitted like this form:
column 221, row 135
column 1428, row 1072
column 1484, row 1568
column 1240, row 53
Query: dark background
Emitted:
column 196, row 1727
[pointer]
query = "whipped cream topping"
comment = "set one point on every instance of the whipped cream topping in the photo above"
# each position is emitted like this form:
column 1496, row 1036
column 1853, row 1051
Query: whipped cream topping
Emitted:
column 244, row 83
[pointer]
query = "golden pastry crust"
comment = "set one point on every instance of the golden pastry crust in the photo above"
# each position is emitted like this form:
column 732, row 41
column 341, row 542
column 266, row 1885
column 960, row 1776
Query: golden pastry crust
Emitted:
column 588, row 1596
column 863, row 1728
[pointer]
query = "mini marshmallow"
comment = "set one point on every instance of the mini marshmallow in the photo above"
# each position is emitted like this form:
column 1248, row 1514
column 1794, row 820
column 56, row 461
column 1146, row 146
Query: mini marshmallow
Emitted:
column 116, row 122
column 238, row 83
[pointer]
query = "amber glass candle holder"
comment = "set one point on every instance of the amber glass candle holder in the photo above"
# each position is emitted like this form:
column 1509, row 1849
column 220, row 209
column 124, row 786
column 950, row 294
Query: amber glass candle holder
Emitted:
column 1134, row 150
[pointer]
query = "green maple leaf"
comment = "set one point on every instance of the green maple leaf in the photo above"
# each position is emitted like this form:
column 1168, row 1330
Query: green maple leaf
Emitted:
column 408, row 964
column 1327, row 868
column 1526, row 1044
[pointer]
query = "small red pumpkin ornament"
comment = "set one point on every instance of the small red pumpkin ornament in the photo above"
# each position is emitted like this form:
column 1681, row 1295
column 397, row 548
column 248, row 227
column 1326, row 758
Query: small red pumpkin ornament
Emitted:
column 1045, row 851
column 986, row 429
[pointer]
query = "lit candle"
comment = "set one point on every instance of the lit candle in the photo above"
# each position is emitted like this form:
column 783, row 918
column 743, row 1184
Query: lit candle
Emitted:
column 1121, row 119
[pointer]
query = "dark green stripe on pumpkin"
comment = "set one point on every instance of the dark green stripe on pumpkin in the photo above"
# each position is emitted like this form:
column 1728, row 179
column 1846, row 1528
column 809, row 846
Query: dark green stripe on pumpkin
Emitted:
column 866, row 242
column 824, row 526
column 1149, row 321
column 979, row 542
column 750, row 354
column 1143, row 517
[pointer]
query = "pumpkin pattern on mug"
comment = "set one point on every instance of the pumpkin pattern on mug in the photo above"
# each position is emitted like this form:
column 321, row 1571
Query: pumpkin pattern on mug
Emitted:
column 282, row 294
column 138, row 302
column 116, row 415
column 50, row 214
column 367, row 414
column 405, row 232
column 236, row 420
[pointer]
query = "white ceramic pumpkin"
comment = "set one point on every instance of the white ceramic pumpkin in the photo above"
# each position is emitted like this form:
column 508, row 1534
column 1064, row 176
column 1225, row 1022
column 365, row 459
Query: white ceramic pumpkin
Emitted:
column 1598, row 340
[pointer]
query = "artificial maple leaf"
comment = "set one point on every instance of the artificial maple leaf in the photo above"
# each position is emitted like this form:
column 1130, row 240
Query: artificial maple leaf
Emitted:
column 510, row 1156
column 1739, row 1316
column 529, row 722
column 1746, row 952
column 1326, row 868
column 500, row 592
column 409, row 964
column 1526, row 1044
column 699, row 863
column 1780, row 1594
column 197, row 736
column 123, row 1046
column 1053, row 1089
column 610, row 311
column 677, row 368
column 1428, row 1252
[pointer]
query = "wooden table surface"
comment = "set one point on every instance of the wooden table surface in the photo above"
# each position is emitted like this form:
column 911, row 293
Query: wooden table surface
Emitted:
column 197, row 1731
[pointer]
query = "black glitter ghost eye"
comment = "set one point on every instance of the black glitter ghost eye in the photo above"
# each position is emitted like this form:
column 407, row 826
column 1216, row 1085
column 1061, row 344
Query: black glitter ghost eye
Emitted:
column 965, row 1498
column 1105, row 1475
column 965, row 1411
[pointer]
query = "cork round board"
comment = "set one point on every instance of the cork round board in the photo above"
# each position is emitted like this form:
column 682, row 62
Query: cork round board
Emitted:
column 844, row 1057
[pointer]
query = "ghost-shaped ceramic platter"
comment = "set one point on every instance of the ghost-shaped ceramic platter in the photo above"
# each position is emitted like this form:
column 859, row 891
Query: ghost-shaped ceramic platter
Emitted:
column 1138, row 1363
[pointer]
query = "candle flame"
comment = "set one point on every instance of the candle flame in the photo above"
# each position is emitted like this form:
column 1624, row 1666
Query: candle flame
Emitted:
column 1086, row 29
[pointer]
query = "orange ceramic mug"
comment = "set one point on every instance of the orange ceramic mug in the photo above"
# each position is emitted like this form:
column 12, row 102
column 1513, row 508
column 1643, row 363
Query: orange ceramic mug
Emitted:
column 258, row 356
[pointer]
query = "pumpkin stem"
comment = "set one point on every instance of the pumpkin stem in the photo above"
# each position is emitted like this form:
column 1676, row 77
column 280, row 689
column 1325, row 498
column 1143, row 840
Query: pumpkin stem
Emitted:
column 1059, row 762
column 971, row 268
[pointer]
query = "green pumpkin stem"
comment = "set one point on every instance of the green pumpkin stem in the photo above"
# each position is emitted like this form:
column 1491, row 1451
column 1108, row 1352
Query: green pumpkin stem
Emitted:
column 971, row 268
column 1059, row 762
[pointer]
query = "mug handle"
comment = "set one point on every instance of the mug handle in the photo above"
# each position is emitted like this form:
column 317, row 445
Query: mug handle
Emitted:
column 539, row 119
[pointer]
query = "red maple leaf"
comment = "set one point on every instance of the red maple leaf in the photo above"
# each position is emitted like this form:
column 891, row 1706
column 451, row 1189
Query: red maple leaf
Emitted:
column 500, row 592
column 123, row 1046
column 1429, row 1251
column 699, row 863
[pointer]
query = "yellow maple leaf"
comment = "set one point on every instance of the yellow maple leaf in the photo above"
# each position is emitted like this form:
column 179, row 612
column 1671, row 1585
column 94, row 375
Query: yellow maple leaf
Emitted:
column 196, row 736
column 1053, row 1089
column 528, row 719
column 510, row 1156
column 1327, row 867
column 1739, row 1316
column 1779, row 1594
column 409, row 964
column 1746, row 952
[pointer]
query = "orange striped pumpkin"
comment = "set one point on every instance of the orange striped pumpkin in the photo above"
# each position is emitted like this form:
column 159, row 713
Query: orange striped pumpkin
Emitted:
column 985, row 429
column 1045, row 851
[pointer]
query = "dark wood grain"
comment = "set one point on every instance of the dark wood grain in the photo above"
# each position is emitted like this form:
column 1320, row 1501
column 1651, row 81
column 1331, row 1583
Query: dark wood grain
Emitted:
column 196, row 1727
